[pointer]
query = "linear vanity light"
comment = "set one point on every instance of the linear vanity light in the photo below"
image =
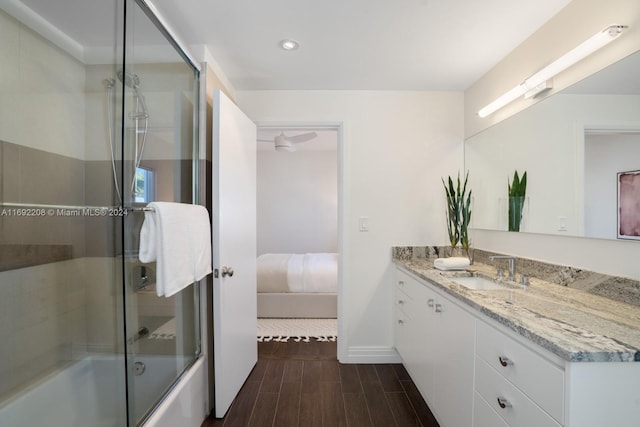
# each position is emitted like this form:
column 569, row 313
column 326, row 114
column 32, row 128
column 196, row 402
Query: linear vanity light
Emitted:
column 541, row 80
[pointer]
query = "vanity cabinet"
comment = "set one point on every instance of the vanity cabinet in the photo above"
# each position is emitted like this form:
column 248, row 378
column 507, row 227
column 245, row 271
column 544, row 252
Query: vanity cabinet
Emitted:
column 473, row 371
column 435, row 338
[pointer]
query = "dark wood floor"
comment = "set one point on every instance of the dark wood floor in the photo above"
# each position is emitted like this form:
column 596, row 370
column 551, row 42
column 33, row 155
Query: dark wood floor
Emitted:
column 302, row 384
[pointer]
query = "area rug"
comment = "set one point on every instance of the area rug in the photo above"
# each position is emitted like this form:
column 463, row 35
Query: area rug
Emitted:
column 299, row 330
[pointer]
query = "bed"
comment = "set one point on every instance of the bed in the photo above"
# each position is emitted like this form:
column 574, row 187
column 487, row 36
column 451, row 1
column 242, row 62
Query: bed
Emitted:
column 297, row 285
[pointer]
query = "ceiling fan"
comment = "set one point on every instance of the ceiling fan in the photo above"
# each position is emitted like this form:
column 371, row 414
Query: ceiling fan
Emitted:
column 283, row 142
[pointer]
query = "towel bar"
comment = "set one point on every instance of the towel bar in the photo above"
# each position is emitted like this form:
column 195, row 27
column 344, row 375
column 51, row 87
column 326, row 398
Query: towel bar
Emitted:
column 141, row 209
column 73, row 207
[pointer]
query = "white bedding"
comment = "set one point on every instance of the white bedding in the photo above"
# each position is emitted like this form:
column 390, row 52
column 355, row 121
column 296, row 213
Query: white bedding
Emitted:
column 298, row 273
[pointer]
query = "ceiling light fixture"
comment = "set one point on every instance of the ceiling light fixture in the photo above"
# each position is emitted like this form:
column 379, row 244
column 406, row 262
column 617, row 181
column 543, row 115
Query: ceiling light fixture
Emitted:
column 541, row 81
column 288, row 44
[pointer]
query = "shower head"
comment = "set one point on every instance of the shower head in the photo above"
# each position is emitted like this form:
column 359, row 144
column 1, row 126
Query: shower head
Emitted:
column 129, row 78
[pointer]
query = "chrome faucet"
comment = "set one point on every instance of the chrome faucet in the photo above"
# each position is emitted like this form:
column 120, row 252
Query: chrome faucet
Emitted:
column 512, row 264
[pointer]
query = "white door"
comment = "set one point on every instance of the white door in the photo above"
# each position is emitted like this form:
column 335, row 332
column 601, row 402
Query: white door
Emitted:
column 235, row 348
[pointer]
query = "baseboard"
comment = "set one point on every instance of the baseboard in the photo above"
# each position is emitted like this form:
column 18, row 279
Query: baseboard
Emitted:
column 373, row 354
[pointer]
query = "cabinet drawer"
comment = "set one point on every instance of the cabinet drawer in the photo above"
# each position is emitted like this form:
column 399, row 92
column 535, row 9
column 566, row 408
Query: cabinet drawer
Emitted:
column 518, row 410
column 410, row 285
column 484, row 415
column 537, row 377
column 411, row 296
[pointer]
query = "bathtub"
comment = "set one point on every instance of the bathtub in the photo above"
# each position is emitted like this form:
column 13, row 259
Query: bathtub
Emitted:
column 185, row 405
column 83, row 394
column 91, row 392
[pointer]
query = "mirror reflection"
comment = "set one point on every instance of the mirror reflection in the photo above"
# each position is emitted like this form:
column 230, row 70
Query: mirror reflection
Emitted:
column 572, row 145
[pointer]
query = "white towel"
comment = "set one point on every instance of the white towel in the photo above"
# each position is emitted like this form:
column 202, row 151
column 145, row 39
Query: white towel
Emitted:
column 178, row 237
column 453, row 263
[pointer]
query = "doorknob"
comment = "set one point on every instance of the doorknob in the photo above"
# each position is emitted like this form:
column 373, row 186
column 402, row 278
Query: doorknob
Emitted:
column 227, row 271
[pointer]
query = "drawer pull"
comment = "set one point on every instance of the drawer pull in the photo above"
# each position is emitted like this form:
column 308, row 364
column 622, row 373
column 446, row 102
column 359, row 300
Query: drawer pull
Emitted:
column 400, row 322
column 505, row 361
column 503, row 403
column 400, row 282
column 400, row 302
column 430, row 302
column 438, row 308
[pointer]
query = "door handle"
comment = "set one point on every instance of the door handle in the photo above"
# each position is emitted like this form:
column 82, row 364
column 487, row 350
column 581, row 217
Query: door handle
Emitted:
column 503, row 403
column 505, row 361
column 225, row 271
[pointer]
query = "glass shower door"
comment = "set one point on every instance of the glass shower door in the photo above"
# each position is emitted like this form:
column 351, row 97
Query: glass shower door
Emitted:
column 61, row 305
column 91, row 128
column 159, row 131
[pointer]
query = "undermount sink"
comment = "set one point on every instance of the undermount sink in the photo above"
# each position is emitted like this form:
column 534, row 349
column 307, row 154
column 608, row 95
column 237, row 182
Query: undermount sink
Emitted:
column 477, row 283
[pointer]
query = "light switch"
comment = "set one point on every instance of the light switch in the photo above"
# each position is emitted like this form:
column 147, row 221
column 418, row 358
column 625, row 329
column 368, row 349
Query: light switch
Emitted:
column 562, row 223
column 363, row 223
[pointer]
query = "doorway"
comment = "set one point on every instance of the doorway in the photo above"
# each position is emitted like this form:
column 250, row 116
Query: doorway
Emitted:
column 602, row 151
column 299, row 222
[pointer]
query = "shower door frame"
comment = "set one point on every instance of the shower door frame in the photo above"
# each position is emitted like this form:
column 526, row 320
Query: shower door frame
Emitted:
column 164, row 28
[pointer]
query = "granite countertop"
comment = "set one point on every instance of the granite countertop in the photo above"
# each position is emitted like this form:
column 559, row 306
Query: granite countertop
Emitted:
column 576, row 325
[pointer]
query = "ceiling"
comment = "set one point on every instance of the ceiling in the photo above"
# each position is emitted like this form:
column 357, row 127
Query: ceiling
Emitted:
column 344, row 44
column 358, row 44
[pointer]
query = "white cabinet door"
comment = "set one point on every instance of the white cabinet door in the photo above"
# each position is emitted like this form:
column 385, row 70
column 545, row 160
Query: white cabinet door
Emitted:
column 235, row 344
column 455, row 336
column 416, row 334
column 436, row 344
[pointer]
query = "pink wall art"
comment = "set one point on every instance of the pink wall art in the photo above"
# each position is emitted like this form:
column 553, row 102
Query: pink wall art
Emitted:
column 629, row 205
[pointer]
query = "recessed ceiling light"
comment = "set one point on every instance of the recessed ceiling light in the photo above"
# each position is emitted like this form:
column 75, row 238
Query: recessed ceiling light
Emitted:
column 288, row 44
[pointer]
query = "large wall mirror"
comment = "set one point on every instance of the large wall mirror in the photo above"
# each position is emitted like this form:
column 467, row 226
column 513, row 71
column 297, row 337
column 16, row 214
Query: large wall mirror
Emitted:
column 573, row 145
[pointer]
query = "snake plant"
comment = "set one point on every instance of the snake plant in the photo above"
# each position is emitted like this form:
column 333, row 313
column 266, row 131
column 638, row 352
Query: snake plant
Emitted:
column 458, row 212
column 517, row 194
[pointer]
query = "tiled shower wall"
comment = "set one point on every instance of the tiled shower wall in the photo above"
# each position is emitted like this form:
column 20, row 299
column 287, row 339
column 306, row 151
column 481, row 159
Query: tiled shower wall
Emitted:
column 38, row 177
column 60, row 301
column 57, row 296
column 42, row 320
column 54, row 269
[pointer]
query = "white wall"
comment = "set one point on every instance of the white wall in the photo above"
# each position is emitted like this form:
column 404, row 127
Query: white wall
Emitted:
column 396, row 148
column 297, row 201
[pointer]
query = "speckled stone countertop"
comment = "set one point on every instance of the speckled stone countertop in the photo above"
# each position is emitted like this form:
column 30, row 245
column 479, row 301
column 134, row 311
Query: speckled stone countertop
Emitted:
column 577, row 325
